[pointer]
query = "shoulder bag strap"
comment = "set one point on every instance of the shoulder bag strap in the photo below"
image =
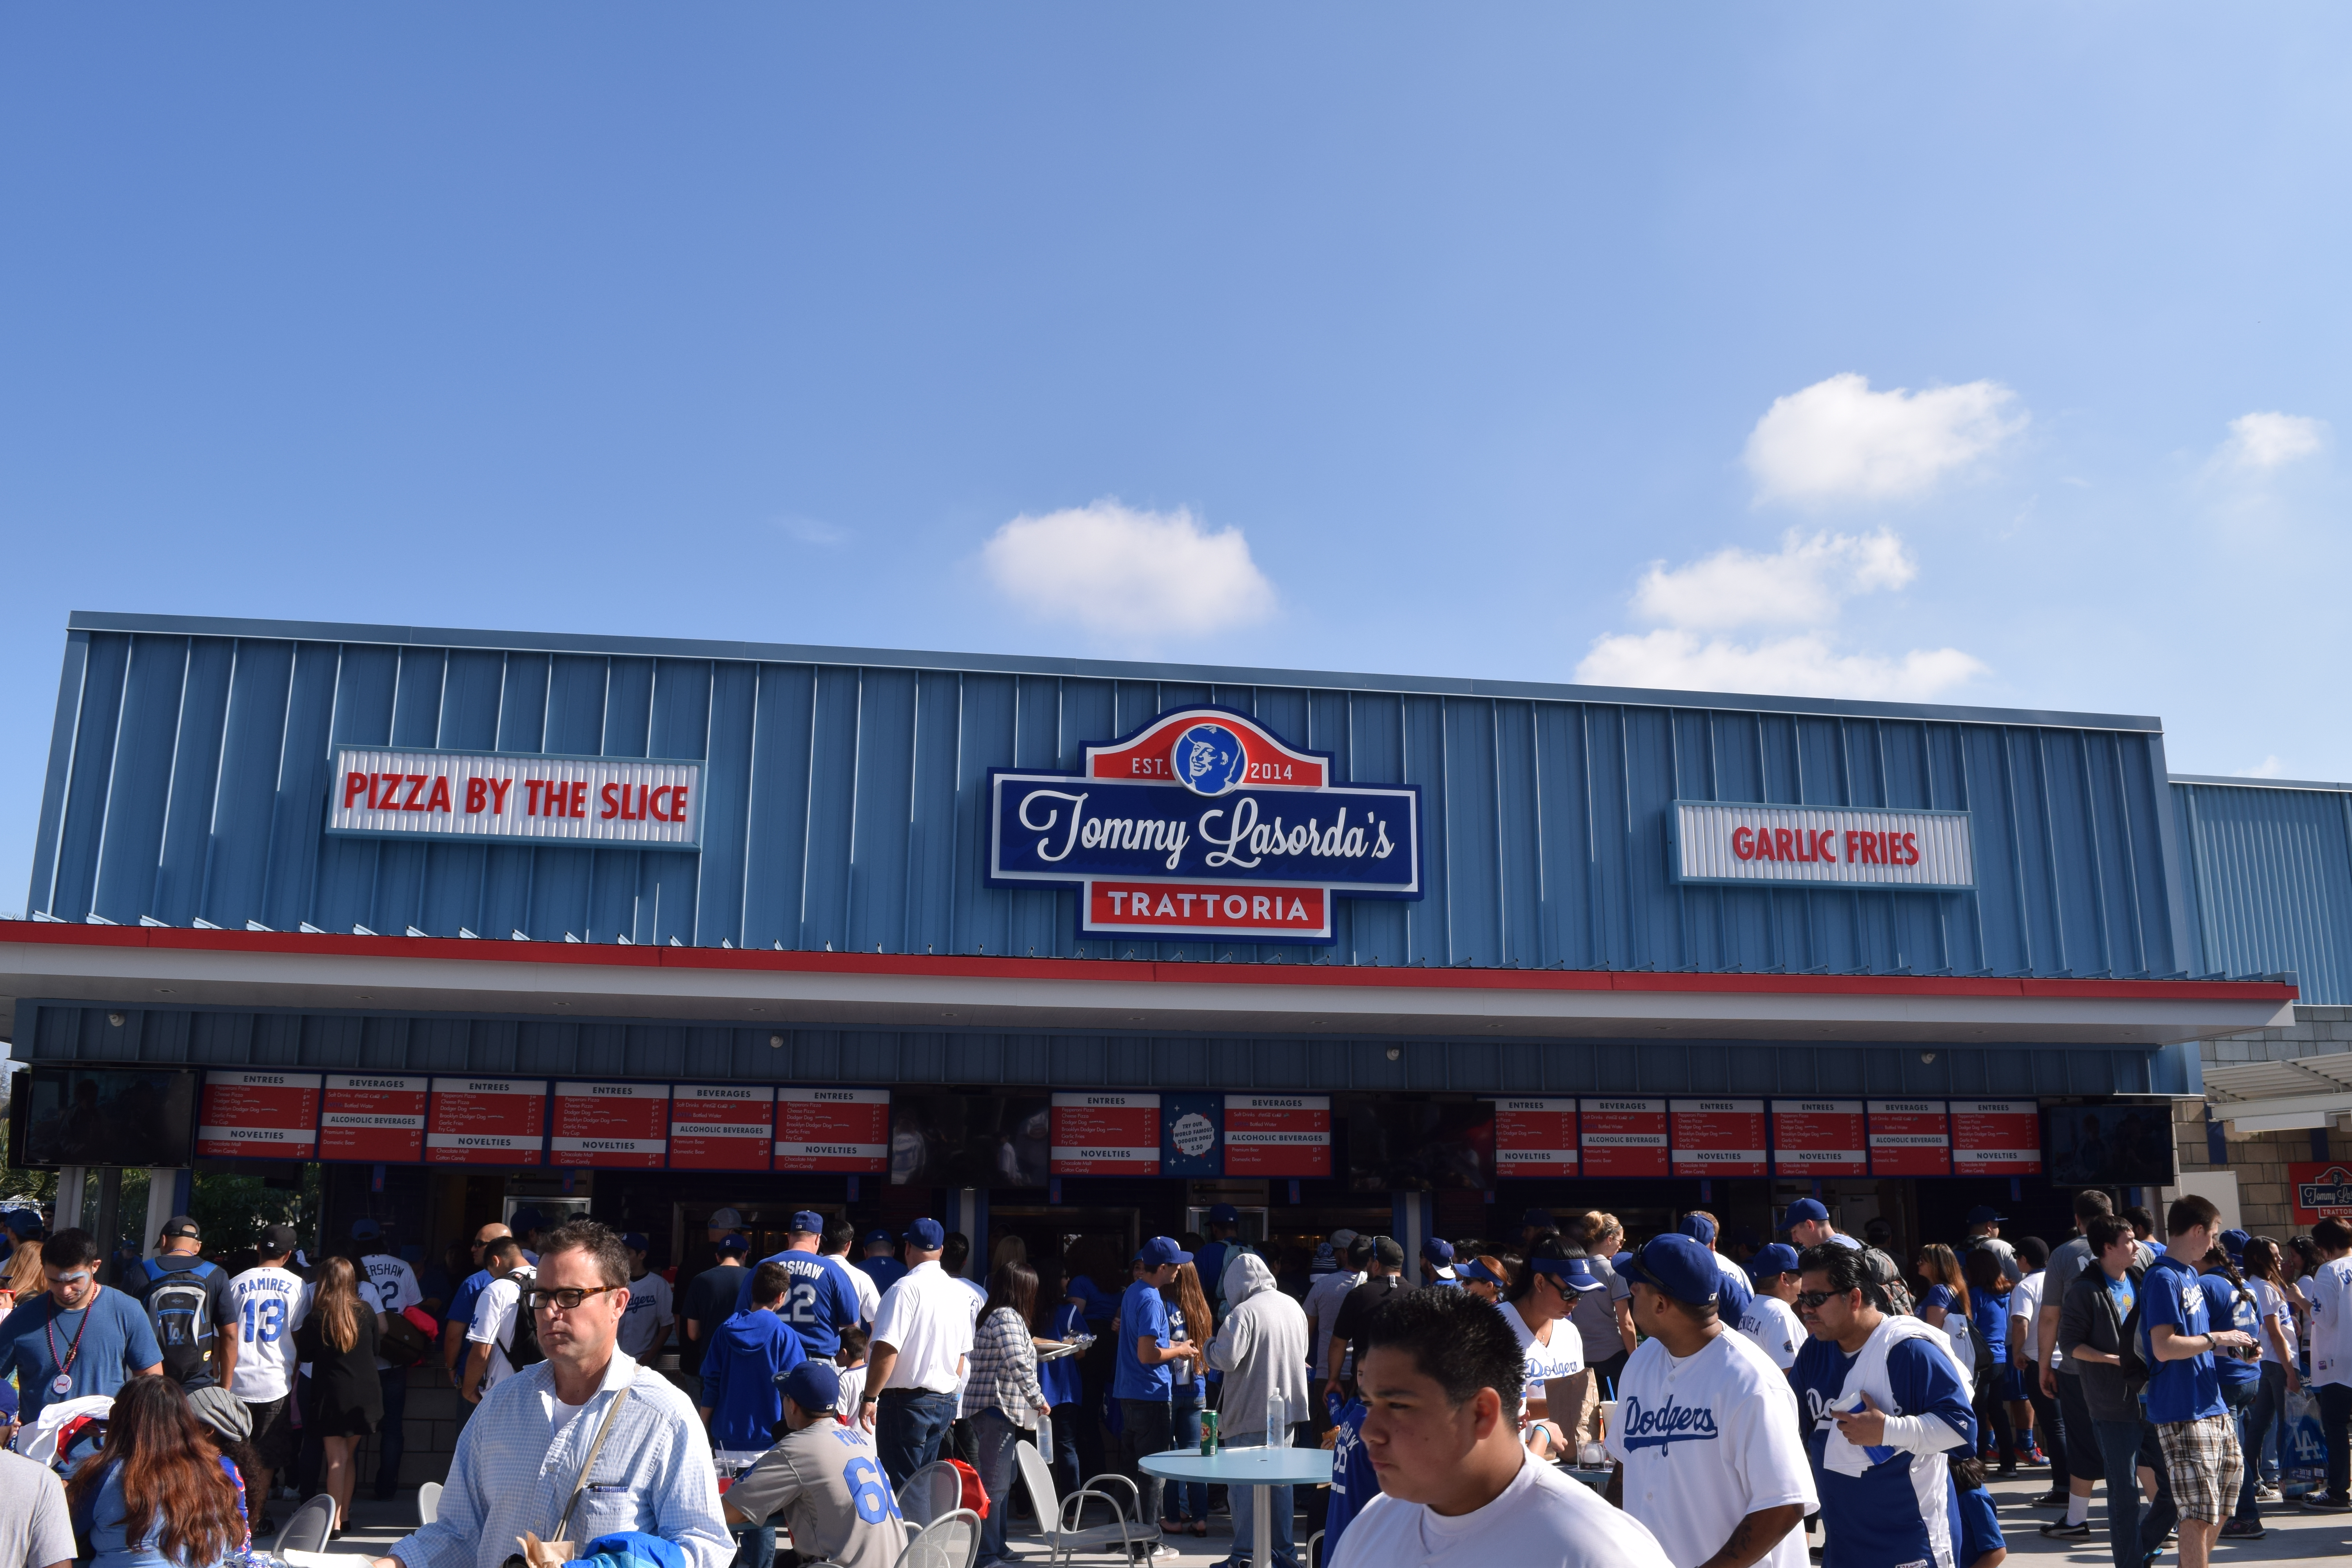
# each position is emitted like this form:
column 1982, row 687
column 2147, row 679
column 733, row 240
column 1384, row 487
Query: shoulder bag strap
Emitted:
column 620, row 1397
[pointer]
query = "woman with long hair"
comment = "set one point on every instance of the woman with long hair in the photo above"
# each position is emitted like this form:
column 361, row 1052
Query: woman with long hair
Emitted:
column 1001, row 1399
column 1999, row 1403
column 1537, row 1306
column 2275, row 1298
column 158, row 1491
column 21, row 1281
column 1188, row 1320
column 1948, row 1287
column 1483, row 1276
column 339, row 1340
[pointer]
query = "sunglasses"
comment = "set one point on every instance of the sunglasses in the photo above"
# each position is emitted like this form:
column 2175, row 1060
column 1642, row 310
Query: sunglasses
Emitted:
column 1814, row 1299
column 570, row 1299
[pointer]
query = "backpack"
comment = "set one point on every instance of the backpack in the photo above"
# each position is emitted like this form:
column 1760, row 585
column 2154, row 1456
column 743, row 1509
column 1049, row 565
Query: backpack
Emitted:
column 403, row 1343
column 522, row 1350
column 179, row 1302
column 1888, row 1277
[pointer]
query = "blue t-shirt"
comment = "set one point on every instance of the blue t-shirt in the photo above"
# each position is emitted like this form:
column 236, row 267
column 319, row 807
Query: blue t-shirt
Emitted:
column 883, row 1270
column 2172, row 1295
column 1140, row 1312
column 2125, row 1296
column 460, row 1311
column 1878, row 1517
column 1942, row 1296
column 2226, row 1308
column 748, row 1353
column 820, row 1303
column 1732, row 1293
column 117, row 1342
column 110, row 1539
column 1353, row 1482
column 1989, row 1314
column 1059, row 1378
column 1980, row 1525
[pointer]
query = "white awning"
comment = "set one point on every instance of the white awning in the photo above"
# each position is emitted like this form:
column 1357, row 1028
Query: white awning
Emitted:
column 2277, row 1096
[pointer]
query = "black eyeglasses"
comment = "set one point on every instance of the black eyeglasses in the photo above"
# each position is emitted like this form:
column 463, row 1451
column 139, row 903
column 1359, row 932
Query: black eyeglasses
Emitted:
column 569, row 1298
column 1815, row 1298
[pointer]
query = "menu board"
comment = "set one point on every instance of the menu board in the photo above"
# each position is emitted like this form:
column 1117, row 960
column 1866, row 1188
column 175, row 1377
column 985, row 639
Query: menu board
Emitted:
column 1819, row 1138
column 611, row 1124
column 486, row 1121
column 1622, row 1137
column 721, row 1126
column 1277, row 1135
column 836, row 1129
column 1105, row 1134
column 368, row 1117
column 258, row 1114
column 1535, row 1138
column 1910, row 1138
column 1996, row 1137
column 1716, row 1137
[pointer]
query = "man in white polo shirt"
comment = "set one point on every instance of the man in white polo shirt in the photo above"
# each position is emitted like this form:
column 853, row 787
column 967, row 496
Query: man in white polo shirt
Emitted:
column 922, row 1332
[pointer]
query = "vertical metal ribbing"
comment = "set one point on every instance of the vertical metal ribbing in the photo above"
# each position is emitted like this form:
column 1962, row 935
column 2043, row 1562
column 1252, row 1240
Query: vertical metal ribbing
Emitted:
column 2050, row 849
column 1494, row 750
column 2131, row 866
column 750, row 798
column 1593, row 945
column 2016, row 852
column 906, row 879
column 955, row 816
column 2098, row 865
column 1634, row 943
column 220, row 772
column 808, row 806
column 309, row 896
column 172, row 776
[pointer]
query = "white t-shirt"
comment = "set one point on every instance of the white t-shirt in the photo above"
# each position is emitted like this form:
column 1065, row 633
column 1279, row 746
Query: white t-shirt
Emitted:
column 2329, row 1291
column 927, row 1317
column 394, row 1284
column 645, row 1320
column 1708, row 1441
column 2025, row 1301
column 1563, row 1357
column 1774, row 1326
column 853, row 1386
column 2271, row 1302
column 869, row 1295
column 494, row 1325
column 271, row 1303
column 1542, row 1520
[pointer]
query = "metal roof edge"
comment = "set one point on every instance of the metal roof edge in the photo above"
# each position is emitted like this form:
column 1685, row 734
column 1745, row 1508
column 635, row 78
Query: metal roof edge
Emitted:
column 1087, row 668
column 2234, row 781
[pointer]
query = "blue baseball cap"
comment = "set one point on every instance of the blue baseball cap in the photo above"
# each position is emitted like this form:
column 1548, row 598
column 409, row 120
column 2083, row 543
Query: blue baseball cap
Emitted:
column 1225, row 1214
column 877, row 1233
column 1699, row 1228
column 1678, row 1266
column 1160, row 1251
column 1985, row 1213
column 1778, row 1258
column 1540, row 1218
column 1474, row 1269
column 813, row 1386
column 24, row 1225
column 925, row 1235
column 526, row 1220
column 2233, row 1242
column 1573, row 1273
column 1802, row 1210
column 1438, row 1252
column 365, row 1229
column 805, row 1222
column 635, row 1242
column 734, row 1242
column 1618, row 1260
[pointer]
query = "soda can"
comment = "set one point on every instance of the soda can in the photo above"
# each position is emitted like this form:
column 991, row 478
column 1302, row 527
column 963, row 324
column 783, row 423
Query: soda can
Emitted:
column 1208, row 1433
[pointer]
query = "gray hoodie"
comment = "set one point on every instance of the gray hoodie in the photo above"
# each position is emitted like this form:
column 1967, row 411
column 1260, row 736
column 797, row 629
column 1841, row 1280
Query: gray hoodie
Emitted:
column 1261, row 1347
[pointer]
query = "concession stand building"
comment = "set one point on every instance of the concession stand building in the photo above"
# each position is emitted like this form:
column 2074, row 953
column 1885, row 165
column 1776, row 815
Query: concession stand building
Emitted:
column 1073, row 949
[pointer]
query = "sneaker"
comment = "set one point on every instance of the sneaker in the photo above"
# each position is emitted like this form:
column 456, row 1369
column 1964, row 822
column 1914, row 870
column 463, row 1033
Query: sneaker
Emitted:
column 2320, row 1502
column 2049, row 1499
column 2058, row 1529
column 2244, row 1529
column 2266, row 1492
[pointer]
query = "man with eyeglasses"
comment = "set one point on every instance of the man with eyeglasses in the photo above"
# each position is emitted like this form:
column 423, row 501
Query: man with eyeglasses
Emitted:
column 1887, row 1401
column 76, row 1338
column 589, row 1416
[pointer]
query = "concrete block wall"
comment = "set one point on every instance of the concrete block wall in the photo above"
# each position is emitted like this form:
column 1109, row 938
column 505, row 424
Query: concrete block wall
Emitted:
column 2261, row 1160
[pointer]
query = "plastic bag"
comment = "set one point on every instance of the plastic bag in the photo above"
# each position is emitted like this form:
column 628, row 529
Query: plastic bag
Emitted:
column 2303, row 1457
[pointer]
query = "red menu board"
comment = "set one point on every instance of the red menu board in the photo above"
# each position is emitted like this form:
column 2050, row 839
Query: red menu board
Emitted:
column 1716, row 1137
column 366, row 1117
column 721, row 1126
column 1622, row 1137
column 258, row 1114
column 1535, row 1138
column 486, row 1121
column 1277, row 1135
column 1819, row 1138
column 833, row 1130
column 1105, row 1134
column 1910, row 1138
column 1996, row 1137
column 623, row 1124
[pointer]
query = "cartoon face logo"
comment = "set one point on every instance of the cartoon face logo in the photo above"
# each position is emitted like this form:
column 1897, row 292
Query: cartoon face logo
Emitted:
column 1209, row 759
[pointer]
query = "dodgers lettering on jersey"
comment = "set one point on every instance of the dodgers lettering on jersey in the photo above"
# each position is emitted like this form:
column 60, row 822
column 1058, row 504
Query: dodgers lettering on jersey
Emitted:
column 1897, row 1513
column 819, row 1304
column 1665, row 1423
column 1706, row 1440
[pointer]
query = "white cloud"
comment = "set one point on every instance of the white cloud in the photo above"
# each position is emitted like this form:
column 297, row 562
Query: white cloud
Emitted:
column 1802, row 584
column 1838, row 440
column 1804, row 665
column 2273, row 440
column 2270, row 767
column 1138, row 577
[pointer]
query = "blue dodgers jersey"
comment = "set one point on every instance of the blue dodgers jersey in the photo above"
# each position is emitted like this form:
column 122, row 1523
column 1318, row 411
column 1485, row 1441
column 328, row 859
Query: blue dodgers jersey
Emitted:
column 820, row 1303
column 1142, row 1311
column 2172, row 1294
column 2227, row 1307
column 1354, row 1482
column 1880, row 1519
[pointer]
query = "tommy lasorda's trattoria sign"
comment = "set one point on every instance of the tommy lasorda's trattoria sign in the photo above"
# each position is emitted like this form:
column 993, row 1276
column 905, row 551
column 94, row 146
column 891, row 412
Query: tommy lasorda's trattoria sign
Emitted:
column 1204, row 823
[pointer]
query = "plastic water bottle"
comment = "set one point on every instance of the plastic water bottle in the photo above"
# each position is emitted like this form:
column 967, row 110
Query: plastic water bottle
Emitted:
column 1278, row 1421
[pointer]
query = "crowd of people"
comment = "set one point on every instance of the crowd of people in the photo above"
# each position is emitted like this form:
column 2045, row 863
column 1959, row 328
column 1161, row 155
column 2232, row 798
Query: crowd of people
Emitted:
column 1555, row 1396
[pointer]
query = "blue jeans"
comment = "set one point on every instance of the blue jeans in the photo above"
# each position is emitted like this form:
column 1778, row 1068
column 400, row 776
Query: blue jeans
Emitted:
column 997, row 1437
column 1280, row 1504
column 909, row 1429
column 1185, row 1500
column 2264, row 1422
column 2241, row 1399
column 2124, row 1446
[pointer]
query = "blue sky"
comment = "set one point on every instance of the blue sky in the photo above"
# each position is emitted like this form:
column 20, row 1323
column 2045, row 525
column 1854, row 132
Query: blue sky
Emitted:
column 1989, row 353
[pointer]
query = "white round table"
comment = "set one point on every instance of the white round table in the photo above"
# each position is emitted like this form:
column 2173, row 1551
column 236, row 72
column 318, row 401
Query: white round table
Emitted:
column 1260, row 1470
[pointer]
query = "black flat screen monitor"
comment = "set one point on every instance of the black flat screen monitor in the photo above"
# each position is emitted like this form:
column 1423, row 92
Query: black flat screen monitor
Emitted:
column 968, row 1141
column 1414, row 1147
column 105, row 1116
column 2108, row 1145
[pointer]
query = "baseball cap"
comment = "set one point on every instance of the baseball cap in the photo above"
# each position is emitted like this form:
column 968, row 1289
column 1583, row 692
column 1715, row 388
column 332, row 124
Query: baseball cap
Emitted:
column 1678, row 1266
column 1540, row 1218
column 182, row 1224
column 1162, row 1251
column 2233, row 1242
column 877, row 1233
column 1436, row 1251
column 1573, row 1273
column 1389, row 1251
column 926, row 1235
column 24, row 1225
column 805, row 1222
column 635, row 1242
column 725, row 1219
column 1360, row 1251
column 1472, row 1268
column 365, row 1229
column 1342, row 1239
column 1225, row 1214
column 1984, row 1213
column 813, row 1386
column 1800, row 1211
column 1778, row 1258
column 734, row 1241
column 1699, row 1228
column 1617, row 1260
column 526, row 1220
column 278, row 1240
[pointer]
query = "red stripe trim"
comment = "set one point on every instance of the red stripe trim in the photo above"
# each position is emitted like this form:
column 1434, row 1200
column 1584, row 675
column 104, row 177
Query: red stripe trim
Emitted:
column 489, row 951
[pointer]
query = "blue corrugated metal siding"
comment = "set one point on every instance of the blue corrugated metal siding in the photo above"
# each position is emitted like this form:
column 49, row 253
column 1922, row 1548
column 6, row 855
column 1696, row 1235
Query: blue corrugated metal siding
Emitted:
column 2268, row 874
column 361, row 1042
column 843, row 803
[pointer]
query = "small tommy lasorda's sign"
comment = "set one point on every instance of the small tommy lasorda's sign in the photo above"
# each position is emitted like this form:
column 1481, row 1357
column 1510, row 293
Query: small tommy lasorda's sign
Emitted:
column 1204, row 823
